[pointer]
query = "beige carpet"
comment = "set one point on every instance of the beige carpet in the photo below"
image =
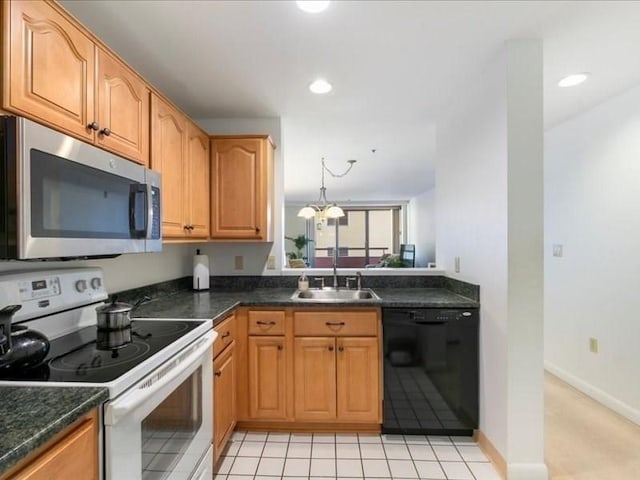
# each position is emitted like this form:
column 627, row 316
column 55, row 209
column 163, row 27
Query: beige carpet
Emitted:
column 586, row 441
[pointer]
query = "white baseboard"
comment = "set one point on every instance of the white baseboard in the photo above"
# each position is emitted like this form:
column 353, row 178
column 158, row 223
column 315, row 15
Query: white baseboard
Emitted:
column 527, row 471
column 598, row 395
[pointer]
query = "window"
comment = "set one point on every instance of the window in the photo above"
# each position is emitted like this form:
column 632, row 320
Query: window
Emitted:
column 363, row 235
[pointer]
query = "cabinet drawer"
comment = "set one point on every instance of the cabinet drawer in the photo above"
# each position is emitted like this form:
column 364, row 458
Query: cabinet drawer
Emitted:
column 265, row 322
column 336, row 323
column 226, row 334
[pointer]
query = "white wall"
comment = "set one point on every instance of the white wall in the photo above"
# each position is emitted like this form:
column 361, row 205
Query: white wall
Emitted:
column 489, row 197
column 592, row 208
column 422, row 226
column 255, row 255
column 127, row 271
column 471, row 223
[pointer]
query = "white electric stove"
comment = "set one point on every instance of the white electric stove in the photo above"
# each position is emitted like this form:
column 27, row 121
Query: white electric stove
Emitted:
column 157, row 423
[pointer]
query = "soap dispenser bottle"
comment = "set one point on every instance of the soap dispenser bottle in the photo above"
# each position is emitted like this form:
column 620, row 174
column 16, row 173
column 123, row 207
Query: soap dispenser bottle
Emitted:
column 303, row 282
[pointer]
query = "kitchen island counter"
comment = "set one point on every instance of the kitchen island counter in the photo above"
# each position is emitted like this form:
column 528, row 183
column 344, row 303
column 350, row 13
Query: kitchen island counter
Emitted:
column 31, row 416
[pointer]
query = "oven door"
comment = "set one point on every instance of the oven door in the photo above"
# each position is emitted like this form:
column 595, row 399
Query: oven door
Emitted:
column 162, row 428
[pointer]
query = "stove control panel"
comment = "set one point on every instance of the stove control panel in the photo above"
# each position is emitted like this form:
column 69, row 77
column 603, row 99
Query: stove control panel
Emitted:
column 39, row 288
column 45, row 292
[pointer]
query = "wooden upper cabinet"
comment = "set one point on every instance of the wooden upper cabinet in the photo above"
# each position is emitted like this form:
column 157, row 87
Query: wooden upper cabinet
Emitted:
column 198, row 199
column 123, row 110
column 180, row 152
column 242, row 188
column 51, row 68
column 168, row 128
column 58, row 74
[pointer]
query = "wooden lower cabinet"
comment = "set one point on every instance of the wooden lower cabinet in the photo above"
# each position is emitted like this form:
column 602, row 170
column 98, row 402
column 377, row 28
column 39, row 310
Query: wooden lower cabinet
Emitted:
column 267, row 377
column 315, row 378
column 309, row 369
column 337, row 379
column 357, row 379
column 73, row 455
column 224, row 398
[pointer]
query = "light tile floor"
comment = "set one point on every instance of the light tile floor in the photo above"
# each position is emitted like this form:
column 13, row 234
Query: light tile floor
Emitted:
column 266, row 456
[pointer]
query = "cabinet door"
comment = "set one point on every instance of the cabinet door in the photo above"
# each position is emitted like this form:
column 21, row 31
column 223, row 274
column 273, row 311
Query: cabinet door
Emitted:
column 168, row 149
column 51, row 68
column 123, row 110
column 315, row 378
column 75, row 456
column 224, row 399
column 198, row 185
column 238, row 189
column 358, row 377
column 267, row 378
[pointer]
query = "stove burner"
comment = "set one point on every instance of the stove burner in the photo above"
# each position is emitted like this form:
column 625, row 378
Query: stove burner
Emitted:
column 88, row 359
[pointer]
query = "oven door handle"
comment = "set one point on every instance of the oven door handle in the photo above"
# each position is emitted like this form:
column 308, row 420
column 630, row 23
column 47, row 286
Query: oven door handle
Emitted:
column 126, row 404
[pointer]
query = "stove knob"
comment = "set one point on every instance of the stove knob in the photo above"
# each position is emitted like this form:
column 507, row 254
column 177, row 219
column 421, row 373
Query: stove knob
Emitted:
column 81, row 285
column 96, row 283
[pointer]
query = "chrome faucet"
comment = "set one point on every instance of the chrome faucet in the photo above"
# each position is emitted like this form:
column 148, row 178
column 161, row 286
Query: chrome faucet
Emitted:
column 359, row 275
column 335, row 264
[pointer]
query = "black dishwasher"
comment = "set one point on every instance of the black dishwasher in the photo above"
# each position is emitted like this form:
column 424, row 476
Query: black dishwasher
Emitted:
column 430, row 371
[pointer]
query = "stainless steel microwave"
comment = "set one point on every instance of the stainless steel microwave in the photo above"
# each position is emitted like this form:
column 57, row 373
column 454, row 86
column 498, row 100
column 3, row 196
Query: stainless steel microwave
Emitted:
column 63, row 198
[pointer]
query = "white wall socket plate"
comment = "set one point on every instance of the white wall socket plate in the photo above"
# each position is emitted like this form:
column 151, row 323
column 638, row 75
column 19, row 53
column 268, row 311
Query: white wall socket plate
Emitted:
column 557, row 250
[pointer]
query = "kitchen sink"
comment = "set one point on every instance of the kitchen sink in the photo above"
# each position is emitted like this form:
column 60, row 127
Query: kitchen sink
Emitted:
column 334, row 295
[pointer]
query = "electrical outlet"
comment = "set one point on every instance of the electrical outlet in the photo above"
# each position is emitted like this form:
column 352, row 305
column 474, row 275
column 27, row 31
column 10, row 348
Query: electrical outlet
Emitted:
column 557, row 250
column 239, row 262
column 271, row 262
column 593, row 345
column 456, row 263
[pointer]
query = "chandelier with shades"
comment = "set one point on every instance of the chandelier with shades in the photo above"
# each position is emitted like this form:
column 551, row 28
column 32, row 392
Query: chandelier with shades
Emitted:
column 323, row 208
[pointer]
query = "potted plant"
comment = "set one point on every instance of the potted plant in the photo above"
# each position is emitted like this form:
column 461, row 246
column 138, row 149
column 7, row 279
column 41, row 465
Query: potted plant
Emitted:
column 299, row 242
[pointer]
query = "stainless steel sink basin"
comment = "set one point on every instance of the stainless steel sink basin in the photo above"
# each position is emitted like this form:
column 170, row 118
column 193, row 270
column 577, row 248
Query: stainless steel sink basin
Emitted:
column 335, row 295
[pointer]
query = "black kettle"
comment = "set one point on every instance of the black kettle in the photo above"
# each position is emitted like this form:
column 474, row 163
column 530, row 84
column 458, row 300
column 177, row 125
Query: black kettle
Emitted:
column 20, row 347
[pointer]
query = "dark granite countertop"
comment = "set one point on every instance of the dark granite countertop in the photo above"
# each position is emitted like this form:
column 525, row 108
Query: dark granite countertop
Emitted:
column 31, row 416
column 217, row 304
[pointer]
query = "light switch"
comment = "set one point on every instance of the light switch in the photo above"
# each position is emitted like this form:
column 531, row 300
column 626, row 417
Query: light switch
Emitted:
column 239, row 262
column 593, row 345
column 557, row 250
column 271, row 262
column 456, row 263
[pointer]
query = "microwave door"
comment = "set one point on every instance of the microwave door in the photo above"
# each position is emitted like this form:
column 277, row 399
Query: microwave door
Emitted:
column 76, row 199
column 138, row 211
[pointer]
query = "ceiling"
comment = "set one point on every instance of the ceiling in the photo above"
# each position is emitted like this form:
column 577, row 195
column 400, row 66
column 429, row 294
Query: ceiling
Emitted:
column 394, row 65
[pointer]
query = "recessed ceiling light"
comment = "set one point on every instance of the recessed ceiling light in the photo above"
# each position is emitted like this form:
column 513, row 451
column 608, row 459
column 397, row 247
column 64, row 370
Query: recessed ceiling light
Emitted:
column 311, row 6
column 320, row 86
column 573, row 80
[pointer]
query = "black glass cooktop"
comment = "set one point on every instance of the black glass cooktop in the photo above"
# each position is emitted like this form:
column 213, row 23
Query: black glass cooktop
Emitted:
column 95, row 356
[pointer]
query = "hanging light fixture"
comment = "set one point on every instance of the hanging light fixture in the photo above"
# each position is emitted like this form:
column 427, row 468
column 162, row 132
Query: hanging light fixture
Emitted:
column 323, row 207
